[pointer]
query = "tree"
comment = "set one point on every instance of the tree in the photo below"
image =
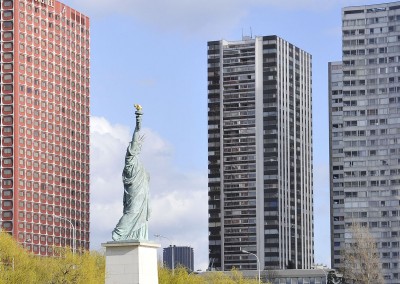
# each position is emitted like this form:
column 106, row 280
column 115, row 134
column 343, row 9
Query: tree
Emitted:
column 19, row 266
column 16, row 264
column 270, row 275
column 334, row 278
column 361, row 263
column 84, row 267
column 181, row 276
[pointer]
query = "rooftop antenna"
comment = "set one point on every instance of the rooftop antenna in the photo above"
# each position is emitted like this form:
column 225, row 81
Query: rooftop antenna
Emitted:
column 246, row 37
column 251, row 33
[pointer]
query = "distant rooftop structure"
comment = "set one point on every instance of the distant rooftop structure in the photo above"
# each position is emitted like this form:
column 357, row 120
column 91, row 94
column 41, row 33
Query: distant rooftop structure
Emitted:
column 247, row 37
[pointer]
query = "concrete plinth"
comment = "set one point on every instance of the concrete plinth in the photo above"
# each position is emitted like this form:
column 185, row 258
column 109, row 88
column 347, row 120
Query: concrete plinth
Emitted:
column 131, row 262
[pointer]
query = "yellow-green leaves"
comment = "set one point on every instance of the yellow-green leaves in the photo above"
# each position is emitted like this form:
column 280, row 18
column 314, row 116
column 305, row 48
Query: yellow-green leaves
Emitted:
column 181, row 276
column 19, row 266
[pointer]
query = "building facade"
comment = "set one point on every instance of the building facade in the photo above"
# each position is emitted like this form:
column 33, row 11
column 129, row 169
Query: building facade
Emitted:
column 259, row 154
column 44, row 193
column 293, row 276
column 181, row 256
column 364, row 97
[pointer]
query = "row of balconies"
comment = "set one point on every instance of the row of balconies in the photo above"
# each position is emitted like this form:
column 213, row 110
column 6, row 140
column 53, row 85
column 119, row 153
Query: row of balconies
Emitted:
column 71, row 208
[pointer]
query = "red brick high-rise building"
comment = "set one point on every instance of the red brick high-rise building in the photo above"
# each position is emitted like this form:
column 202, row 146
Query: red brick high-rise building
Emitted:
column 44, row 176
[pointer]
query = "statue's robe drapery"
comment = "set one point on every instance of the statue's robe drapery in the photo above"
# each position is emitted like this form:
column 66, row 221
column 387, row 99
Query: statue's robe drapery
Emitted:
column 133, row 223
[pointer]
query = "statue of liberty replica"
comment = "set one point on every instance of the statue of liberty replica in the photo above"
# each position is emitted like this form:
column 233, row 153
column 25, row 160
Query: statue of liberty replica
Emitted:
column 133, row 224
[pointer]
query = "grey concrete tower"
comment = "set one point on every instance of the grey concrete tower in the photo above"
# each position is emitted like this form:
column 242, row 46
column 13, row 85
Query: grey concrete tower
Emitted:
column 364, row 106
column 260, row 154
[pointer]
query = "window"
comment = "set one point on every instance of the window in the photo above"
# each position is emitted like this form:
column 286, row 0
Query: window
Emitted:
column 7, row 36
column 8, row 46
column 7, row 77
column 7, row 24
column 7, row 56
column 8, row 67
column 7, row 150
column 8, row 130
column 7, row 88
column 8, row 4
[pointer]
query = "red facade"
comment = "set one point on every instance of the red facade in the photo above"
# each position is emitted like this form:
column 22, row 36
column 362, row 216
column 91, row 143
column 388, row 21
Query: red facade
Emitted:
column 45, row 96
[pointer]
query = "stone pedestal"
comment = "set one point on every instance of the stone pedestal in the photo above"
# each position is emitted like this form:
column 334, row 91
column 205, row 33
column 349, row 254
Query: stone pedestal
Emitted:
column 131, row 262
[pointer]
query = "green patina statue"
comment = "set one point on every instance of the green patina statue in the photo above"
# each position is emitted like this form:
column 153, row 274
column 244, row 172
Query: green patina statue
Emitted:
column 133, row 224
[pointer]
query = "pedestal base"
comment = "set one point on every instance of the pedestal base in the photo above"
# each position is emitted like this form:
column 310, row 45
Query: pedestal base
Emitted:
column 131, row 262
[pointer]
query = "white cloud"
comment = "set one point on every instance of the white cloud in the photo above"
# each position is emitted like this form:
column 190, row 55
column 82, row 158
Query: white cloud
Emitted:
column 190, row 17
column 206, row 17
column 179, row 197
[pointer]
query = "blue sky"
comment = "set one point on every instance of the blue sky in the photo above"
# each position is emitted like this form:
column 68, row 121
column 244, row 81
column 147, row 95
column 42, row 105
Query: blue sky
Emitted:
column 153, row 52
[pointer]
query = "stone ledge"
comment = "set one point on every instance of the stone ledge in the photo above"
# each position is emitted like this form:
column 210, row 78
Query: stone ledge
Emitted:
column 131, row 243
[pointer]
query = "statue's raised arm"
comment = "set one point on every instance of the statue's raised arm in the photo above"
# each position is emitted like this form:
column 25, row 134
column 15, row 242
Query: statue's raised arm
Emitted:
column 139, row 114
column 136, row 139
column 133, row 223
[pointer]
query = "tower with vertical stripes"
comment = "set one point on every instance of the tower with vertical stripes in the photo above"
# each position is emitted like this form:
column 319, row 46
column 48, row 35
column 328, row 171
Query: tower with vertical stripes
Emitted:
column 259, row 154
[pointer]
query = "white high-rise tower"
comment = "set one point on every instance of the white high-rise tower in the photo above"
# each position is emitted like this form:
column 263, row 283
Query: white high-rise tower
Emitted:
column 364, row 95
